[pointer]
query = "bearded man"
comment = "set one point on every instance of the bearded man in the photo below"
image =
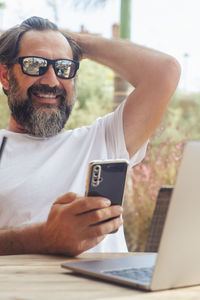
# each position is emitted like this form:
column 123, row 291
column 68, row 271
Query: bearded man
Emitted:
column 43, row 168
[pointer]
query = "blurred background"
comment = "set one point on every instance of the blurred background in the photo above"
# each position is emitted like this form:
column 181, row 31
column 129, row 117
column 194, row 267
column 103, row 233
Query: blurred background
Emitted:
column 171, row 26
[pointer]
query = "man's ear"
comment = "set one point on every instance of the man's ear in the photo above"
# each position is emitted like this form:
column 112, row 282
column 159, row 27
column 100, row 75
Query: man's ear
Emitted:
column 4, row 78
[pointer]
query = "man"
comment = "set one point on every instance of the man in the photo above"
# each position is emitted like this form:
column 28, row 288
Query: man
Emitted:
column 43, row 169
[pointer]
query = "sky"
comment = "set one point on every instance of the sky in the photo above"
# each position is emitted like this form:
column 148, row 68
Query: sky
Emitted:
column 171, row 26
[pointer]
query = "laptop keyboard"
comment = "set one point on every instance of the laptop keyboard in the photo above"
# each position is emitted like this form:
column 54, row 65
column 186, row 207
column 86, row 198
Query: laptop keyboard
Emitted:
column 142, row 275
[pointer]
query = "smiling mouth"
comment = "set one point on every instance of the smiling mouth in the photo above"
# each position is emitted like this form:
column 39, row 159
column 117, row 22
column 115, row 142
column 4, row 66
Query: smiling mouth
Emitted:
column 49, row 98
column 44, row 94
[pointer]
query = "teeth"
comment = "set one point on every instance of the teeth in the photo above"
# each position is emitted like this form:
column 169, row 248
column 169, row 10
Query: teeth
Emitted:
column 52, row 96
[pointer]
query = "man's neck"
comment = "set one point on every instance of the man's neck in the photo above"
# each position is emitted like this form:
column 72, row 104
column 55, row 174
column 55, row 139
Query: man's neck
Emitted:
column 15, row 127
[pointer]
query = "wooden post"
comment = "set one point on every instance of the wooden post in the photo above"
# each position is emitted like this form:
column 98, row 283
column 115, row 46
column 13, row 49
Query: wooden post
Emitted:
column 121, row 86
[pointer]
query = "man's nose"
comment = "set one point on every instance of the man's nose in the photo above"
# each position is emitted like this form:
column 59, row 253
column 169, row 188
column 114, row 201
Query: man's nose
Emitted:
column 50, row 77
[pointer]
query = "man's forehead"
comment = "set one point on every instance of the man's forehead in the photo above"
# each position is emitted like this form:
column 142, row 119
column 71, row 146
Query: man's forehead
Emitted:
column 35, row 42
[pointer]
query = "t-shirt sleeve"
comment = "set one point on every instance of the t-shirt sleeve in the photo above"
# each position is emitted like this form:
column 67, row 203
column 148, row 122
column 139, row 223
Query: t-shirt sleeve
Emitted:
column 115, row 141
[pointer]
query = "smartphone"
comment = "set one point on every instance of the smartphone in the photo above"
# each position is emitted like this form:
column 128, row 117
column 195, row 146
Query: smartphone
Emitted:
column 107, row 179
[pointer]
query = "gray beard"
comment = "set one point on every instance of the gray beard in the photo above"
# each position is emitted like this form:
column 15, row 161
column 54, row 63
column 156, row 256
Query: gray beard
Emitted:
column 44, row 121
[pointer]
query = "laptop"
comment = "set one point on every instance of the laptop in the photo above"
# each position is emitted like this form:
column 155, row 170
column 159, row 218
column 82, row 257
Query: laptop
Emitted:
column 177, row 263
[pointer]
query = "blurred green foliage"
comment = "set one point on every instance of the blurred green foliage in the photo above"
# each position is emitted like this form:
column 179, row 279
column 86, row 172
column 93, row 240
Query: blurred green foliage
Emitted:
column 4, row 111
column 181, row 120
column 95, row 94
column 2, row 5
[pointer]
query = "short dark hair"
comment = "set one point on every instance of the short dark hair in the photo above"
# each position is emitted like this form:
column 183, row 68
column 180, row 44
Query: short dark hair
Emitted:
column 10, row 39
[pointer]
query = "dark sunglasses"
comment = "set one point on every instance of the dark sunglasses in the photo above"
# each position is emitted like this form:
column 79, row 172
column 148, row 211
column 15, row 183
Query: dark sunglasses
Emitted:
column 37, row 66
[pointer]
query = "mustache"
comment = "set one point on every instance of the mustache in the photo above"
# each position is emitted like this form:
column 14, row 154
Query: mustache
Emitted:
column 44, row 88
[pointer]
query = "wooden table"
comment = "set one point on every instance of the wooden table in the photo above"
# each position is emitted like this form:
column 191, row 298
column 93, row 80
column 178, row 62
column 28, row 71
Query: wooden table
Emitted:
column 39, row 277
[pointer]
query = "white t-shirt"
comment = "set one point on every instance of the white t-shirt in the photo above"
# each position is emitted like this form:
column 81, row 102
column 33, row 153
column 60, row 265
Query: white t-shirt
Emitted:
column 35, row 171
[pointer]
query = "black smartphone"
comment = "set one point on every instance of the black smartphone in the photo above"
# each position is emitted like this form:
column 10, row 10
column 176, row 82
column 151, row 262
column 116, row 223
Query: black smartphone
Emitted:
column 107, row 179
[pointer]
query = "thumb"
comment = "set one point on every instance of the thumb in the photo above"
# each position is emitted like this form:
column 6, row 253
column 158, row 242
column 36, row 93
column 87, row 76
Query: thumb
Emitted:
column 66, row 198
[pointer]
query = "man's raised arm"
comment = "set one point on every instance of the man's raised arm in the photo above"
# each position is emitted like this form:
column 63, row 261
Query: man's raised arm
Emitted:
column 153, row 74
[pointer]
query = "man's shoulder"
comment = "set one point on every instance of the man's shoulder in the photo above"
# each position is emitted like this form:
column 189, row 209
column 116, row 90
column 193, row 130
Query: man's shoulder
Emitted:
column 100, row 121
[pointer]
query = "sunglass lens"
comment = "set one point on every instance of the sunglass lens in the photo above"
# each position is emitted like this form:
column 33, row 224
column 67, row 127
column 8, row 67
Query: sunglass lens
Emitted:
column 65, row 69
column 34, row 66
